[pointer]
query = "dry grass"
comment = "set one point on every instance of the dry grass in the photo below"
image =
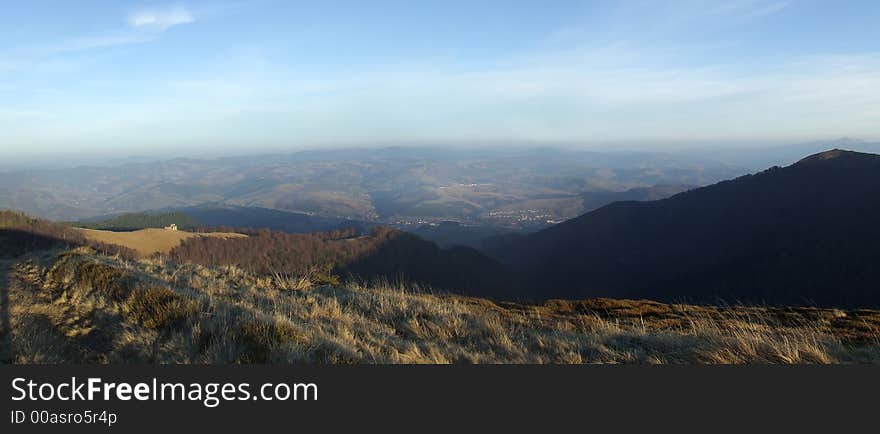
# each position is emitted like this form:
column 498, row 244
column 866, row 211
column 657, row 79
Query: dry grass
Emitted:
column 157, row 307
column 77, row 307
column 147, row 242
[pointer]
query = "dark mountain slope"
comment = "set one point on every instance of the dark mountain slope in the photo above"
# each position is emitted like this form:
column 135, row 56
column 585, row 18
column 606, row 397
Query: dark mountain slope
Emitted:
column 809, row 232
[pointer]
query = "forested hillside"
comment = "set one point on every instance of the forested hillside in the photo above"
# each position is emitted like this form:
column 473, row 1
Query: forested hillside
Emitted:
column 384, row 253
column 143, row 220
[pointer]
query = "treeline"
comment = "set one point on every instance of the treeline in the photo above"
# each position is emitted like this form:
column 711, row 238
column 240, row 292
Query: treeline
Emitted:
column 137, row 221
column 20, row 234
column 338, row 234
column 384, row 253
column 266, row 251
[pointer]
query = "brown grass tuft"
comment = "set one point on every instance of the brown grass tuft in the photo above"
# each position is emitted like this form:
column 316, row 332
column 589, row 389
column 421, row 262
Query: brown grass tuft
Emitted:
column 260, row 338
column 157, row 307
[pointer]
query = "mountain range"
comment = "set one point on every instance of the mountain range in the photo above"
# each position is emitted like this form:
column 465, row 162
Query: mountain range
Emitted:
column 804, row 234
column 405, row 186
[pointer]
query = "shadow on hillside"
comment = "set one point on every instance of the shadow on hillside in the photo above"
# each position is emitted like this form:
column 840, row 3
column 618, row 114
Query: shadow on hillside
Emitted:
column 461, row 270
column 15, row 243
column 5, row 330
column 384, row 255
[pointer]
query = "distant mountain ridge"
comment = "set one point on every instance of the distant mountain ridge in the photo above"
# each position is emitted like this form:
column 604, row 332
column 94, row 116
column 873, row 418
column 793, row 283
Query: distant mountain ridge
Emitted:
column 806, row 233
column 597, row 199
column 387, row 185
column 256, row 217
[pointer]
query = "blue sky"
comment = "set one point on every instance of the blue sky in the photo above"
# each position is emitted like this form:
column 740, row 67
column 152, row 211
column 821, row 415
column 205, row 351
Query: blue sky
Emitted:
column 122, row 77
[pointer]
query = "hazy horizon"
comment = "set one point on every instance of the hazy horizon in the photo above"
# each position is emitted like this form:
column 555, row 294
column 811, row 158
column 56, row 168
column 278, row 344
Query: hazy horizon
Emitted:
column 183, row 78
column 719, row 151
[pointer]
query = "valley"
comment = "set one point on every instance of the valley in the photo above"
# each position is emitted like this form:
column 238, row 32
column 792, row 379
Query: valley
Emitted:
column 516, row 188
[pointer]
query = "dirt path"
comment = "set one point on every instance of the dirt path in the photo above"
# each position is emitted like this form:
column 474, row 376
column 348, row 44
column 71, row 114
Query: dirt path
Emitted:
column 5, row 337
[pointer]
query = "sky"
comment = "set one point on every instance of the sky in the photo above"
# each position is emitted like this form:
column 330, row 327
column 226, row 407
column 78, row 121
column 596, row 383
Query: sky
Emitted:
column 202, row 77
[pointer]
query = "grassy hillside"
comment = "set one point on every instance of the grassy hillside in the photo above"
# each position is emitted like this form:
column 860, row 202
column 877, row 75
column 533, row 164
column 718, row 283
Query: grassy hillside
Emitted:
column 75, row 306
column 20, row 233
column 66, row 298
column 147, row 242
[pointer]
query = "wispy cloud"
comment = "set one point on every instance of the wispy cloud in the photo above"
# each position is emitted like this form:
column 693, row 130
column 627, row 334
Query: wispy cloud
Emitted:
column 160, row 18
column 89, row 43
column 751, row 8
column 672, row 17
column 561, row 100
column 144, row 25
column 684, row 70
column 770, row 9
column 743, row 11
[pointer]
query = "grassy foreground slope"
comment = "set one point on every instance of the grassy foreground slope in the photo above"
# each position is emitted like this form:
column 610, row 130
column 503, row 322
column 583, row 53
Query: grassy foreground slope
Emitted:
column 76, row 306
